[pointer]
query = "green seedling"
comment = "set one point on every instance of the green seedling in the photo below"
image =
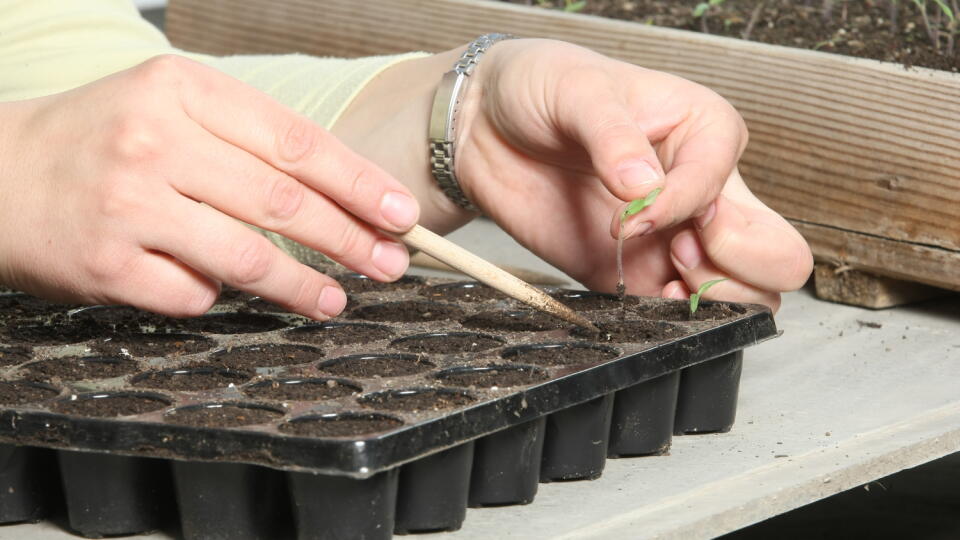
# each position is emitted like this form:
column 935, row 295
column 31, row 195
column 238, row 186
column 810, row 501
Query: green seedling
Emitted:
column 635, row 207
column 695, row 297
column 935, row 28
column 571, row 6
column 701, row 10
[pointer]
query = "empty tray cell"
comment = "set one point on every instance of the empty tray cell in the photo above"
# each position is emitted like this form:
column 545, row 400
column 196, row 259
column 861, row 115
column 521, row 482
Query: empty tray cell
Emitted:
column 463, row 291
column 494, row 376
column 111, row 404
column 339, row 333
column 506, row 465
column 232, row 323
column 112, row 495
column 339, row 507
column 433, row 491
column 24, row 392
column 560, row 354
column 643, row 416
column 232, row 295
column 630, row 331
column 575, row 444
column 707, row 402
column 376, row 365
column 223, row 415
column 265, row 355
column 679, row 310
column 514, row 321
column 27, row 483
column 593, row 301
column 417, row 399
column 346, row 424
column 20, row 306
column 358, row 283
column 301, row 389
column 81, row 368
column 13, row 355
column 189, row 379
column 448, row 342
column 145, row 344
column 46, row 334
column 118, row 318
column 231, row 501
column 408, row 311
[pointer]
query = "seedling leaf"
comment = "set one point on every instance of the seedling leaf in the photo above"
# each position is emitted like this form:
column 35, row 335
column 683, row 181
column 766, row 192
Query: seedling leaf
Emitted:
column 701, row 8
column 695, row 297
column 637, row 205
column 573, row 7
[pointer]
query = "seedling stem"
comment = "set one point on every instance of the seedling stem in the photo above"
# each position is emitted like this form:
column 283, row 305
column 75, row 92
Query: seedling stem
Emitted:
column 695, row 297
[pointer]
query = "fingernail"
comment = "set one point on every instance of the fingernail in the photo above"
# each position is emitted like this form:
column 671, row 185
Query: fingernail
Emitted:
column 636, row 228
column 706, row 217
column 399, row 209
column 390, row 258
column 687, row 251
column 636, row 173
column 332, row 300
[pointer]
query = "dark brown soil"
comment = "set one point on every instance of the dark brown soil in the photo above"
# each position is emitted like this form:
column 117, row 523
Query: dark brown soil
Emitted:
column 110, row 405
column 680, row 311
column 23, row 392
column 492, row 376
column 464, row 291
column 376, row 365
column 560, row 354
column 55, row 334
column 341, row 425
column 22, row 306
column 151, row 344
column 864, row 29
column 222, row 415
column 120, row 318
column 630, row 331
column 339, row 333
column 232, row 323
column 416, row 400
column 448, row 343
column 266, row 355
column 514, row 321
column 300, row 389
column 13, row 355
column 81, row 368
column 593, row 301
column 229, row 294
column 356, row 283
column 408, row 311
column 191, row 379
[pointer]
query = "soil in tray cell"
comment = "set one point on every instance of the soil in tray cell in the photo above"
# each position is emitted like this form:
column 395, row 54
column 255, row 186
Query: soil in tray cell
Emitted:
column 356, row 283
column 630, row 331
column 232, row 323
column 680, row 311
column 463, row 291
column 56, row 334
column 299, row 389
column 81, row 368
column 111, row 404
column 221, row 415
column 408, row 311
column 492, row 376
column 339, row 333
column 514, row 321
column 151, row 344
column 560, row 354
column 23, row 392
column 266, row 355
column 229, row 294
column 376, row 365
column 416, row 399
column 448, row 342
column 188, row 379
column 340, row 425
column 593, row 301
column 11, row 356
column 119, row 317
column 22, row 306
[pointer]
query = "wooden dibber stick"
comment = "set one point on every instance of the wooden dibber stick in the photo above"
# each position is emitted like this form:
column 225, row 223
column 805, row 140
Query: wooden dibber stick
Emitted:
column 485, row 272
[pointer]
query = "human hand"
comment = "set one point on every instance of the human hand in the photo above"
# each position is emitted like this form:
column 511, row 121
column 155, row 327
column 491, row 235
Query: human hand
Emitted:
column 99, row 193
column 555, row 139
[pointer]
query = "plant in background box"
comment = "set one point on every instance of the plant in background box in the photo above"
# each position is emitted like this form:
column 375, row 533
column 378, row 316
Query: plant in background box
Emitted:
column 635, row 207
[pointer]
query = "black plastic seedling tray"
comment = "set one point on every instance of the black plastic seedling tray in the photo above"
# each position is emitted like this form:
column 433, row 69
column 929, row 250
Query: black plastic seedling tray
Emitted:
column 425, row 397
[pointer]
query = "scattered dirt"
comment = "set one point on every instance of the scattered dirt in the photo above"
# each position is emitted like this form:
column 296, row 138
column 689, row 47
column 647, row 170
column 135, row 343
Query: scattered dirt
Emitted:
column 23, row 392
column 680, row 311
column 593, row 301
column 630, row 331
column 342, row 425
column 232, row 323
column 448, row 343
column 13, row 355
column 492, row 376
column 81, row 368
column 560, row 354
column 151, row 344
column 191, row 379
column 463, row 291
column 300, row 389
column 266, row 355
column 514, row 321
column 106, row 405
column 339, row 333
column 377, row 365
column 408, row 311
column 416, row 400
column 222, row 416
column 356, row 283
column 869, row 324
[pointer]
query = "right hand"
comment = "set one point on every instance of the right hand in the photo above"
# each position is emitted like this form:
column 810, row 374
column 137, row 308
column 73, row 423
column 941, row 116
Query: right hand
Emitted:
column 99, row 193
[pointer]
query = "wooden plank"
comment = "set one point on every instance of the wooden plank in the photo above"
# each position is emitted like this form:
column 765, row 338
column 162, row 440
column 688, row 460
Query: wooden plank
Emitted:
column 854, row 144
column 845, row 285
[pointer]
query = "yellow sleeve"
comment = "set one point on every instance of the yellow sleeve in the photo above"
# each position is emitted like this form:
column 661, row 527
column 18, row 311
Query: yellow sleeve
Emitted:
column 50, row 46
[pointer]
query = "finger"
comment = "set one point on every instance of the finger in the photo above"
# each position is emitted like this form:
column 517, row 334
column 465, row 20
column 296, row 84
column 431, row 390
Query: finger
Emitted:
column 273, row 200
column 695, row 269
column 292, row 143
column 676, row 289
column 159, row 283
column 227, row 251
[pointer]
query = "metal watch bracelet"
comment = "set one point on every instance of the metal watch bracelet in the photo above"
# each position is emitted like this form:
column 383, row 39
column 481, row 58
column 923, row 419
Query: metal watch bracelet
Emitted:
column 443, row 115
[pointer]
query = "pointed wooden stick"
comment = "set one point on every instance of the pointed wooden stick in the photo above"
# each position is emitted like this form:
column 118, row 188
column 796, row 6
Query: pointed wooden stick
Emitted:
column 485, row 272
column 422, row 260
